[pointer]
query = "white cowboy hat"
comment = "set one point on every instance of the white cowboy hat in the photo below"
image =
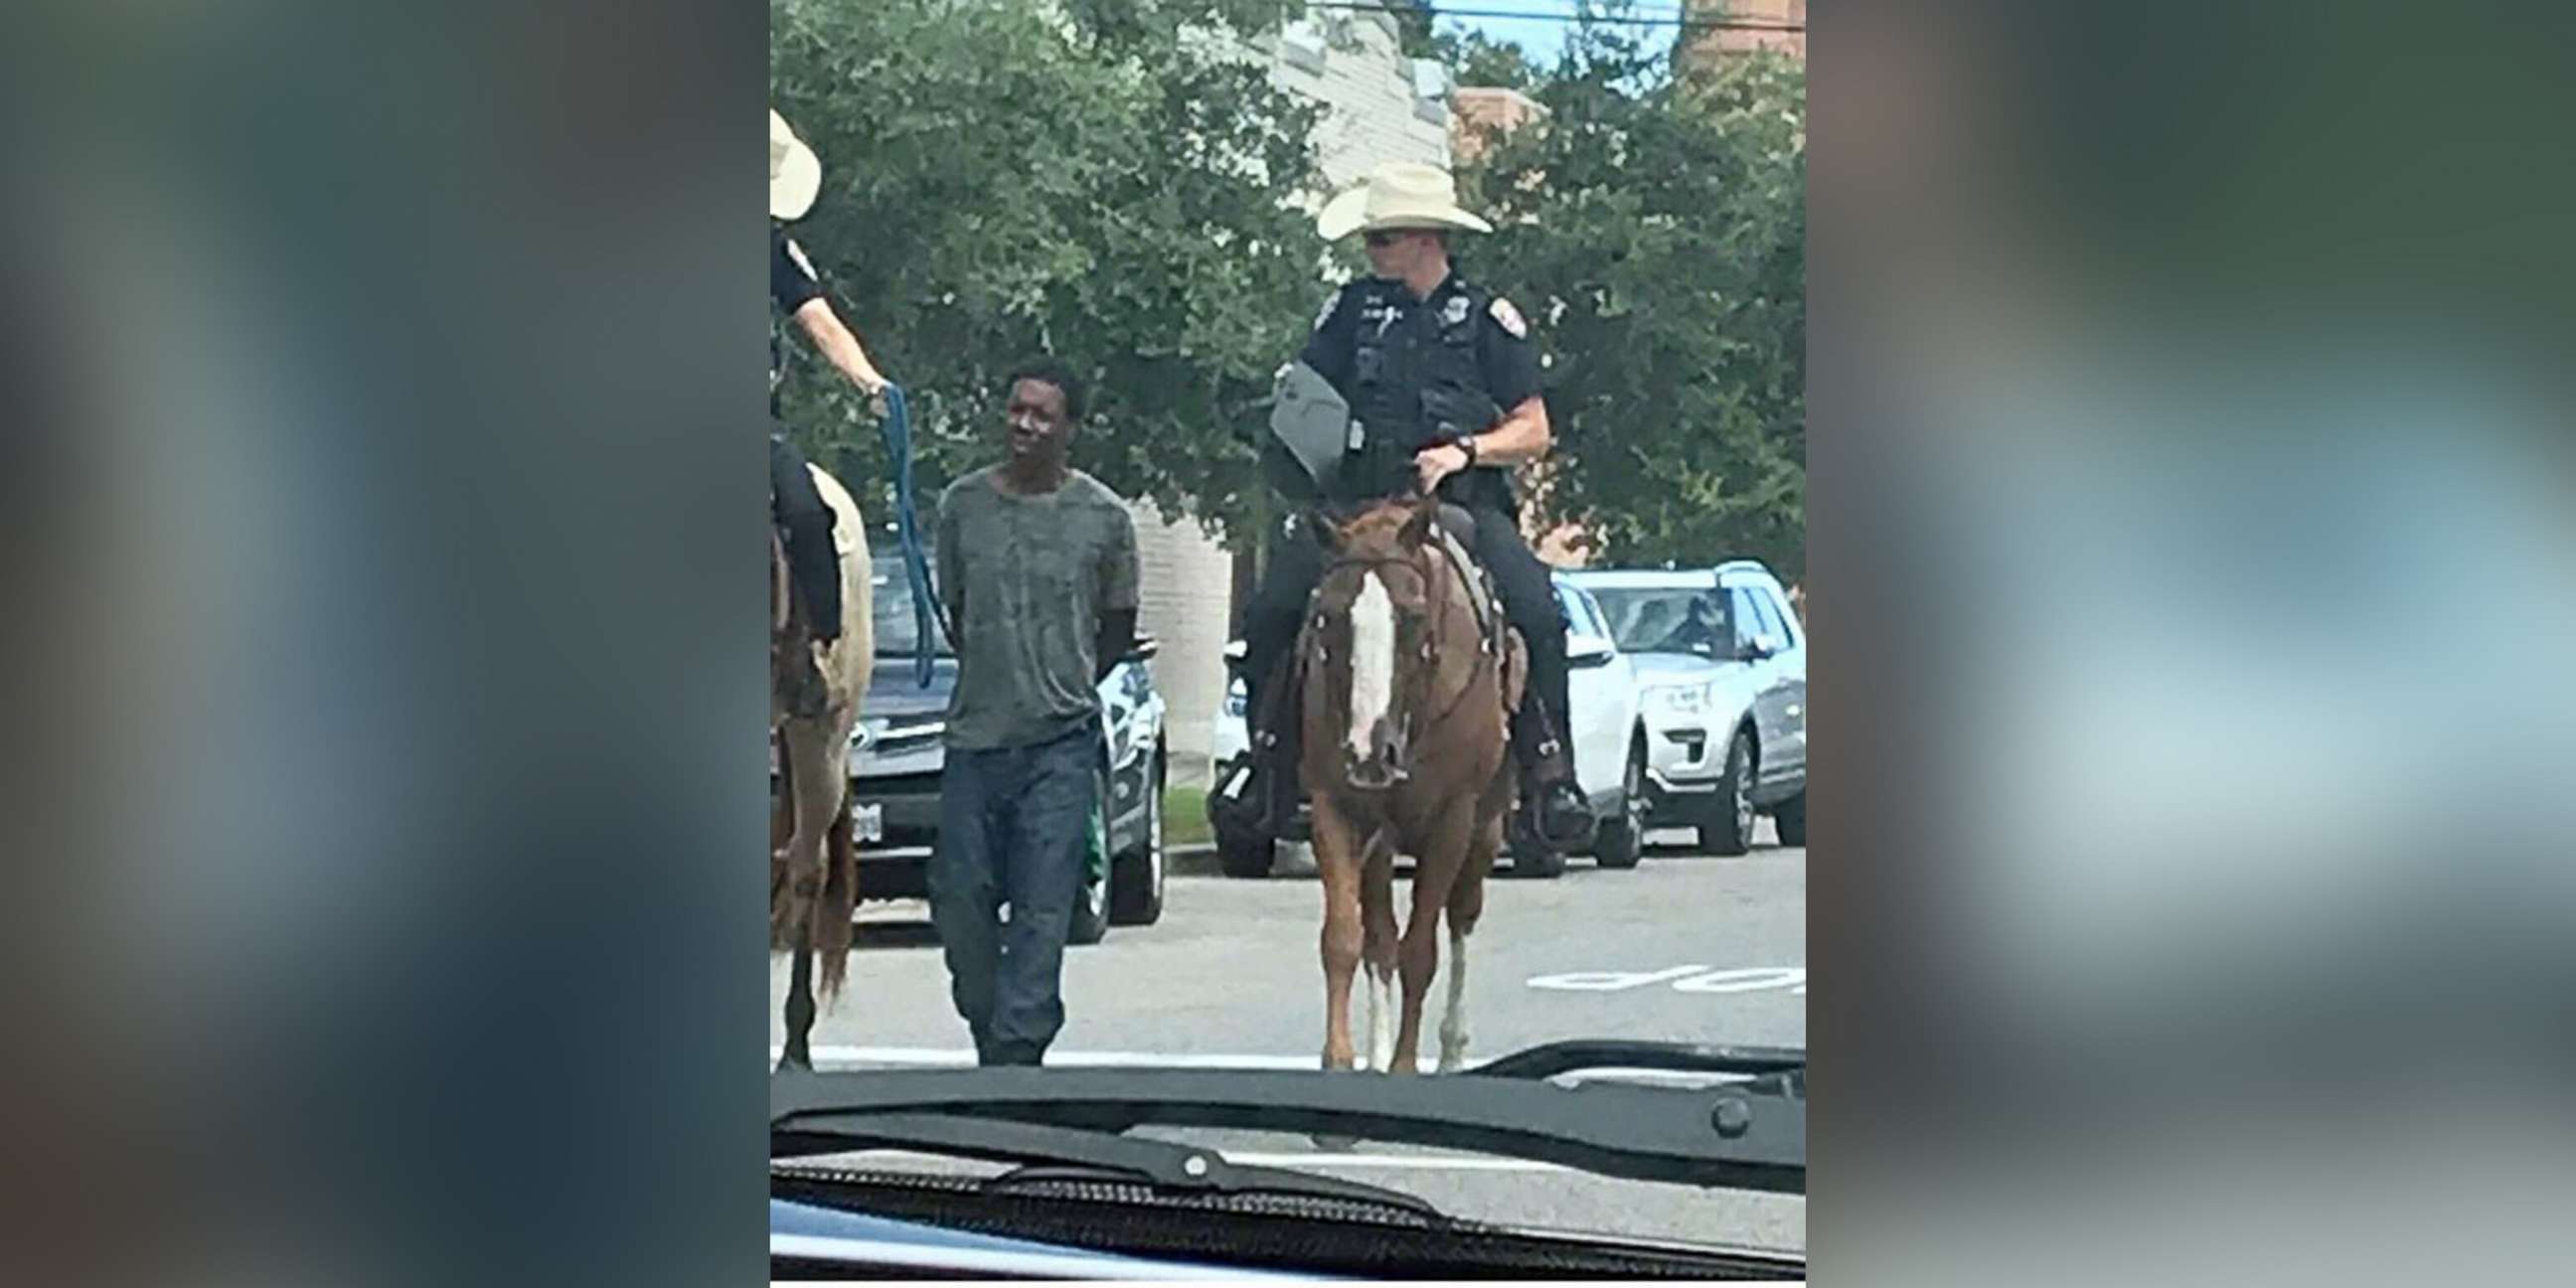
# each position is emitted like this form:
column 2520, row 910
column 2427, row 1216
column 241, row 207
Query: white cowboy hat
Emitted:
column 794, row 175
column 1397, row 194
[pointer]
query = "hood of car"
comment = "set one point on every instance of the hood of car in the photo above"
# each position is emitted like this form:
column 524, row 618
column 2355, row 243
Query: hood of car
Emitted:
column 895, row 691
column 1675, row 668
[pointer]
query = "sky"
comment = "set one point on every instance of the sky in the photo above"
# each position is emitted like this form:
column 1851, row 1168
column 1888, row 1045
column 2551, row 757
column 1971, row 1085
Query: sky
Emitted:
column 1542, row 34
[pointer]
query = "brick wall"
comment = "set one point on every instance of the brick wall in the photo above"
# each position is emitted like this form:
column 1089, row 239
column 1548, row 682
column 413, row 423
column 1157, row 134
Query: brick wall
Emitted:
column 1761, row 24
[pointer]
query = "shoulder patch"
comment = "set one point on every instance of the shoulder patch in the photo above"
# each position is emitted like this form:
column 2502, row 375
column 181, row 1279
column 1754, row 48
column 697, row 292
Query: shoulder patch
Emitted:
column 797, row 253
column 1509, row 318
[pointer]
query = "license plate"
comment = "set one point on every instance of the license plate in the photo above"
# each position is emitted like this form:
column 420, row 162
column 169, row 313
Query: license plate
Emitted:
column 867, row 823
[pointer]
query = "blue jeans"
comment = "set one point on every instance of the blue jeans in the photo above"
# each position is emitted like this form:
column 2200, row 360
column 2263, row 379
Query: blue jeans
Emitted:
column 1014, row 828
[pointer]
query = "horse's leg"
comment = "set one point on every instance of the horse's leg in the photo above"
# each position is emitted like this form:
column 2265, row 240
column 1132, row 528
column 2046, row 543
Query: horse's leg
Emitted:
column 810, row 796
column 1466, row 906
column 800, row 1009
column 1337, row 858
column 1435, row 870
column 1377, row 952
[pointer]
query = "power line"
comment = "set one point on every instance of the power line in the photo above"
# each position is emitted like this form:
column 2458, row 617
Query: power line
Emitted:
column 1620, row 20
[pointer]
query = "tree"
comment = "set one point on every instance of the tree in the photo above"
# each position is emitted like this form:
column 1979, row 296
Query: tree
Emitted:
column 1654, row 232
column 1413, row 34
column 1478, row 59
column 1105, row 180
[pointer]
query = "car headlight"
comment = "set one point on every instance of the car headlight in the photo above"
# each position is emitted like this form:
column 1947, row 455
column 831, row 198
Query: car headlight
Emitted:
column 1680, row 699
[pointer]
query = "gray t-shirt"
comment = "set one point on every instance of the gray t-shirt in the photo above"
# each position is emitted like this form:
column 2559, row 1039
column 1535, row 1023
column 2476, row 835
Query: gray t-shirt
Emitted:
column 1026, row 579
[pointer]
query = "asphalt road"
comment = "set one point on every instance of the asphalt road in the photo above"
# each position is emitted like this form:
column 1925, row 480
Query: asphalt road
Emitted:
column 1685, row 947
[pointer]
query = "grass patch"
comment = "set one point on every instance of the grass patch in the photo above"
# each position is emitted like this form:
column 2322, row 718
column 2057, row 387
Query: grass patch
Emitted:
column 1185, row 816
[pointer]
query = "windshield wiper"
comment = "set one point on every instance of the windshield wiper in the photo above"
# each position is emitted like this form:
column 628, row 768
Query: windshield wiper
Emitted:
column 1747, row 1135
column 1053, row 1153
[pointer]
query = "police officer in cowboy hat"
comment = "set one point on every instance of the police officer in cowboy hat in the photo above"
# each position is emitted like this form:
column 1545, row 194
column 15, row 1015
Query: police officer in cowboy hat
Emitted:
column 795, row 177
column 1442, row 380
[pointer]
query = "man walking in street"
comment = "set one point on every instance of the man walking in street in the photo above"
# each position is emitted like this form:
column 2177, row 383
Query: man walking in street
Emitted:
column 1037, row 578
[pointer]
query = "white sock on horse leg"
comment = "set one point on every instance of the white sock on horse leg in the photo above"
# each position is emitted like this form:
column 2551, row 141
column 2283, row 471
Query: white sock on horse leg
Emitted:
column 1453, row 1017
column 1382, row 1017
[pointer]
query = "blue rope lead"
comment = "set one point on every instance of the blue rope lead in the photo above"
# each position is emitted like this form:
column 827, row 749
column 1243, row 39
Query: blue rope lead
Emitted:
column 907, row 526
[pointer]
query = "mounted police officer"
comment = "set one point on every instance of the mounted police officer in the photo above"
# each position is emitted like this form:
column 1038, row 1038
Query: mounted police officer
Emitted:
column 795, row 176
column 1441, row 381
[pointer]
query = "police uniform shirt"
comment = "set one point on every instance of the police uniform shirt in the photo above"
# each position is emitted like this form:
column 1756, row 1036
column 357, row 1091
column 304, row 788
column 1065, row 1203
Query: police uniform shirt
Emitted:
column 1411, row 336
column 792, row 284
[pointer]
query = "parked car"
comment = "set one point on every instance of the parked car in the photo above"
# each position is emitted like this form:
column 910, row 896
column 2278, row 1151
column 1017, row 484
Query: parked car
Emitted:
column 897, row 751
column 1722, row 662
column 1603, row 694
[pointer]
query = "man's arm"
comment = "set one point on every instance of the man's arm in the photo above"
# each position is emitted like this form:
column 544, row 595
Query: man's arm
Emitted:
column 1118, row 587
column 838, row 345
column 1523, row 435
column 948, row 574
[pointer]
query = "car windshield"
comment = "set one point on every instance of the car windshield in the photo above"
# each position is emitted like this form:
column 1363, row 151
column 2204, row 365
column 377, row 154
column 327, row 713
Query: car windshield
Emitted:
column 1664, row 619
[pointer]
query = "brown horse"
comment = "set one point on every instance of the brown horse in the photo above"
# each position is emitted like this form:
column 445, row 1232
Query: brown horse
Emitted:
column 811, row 901
column 1407, row 673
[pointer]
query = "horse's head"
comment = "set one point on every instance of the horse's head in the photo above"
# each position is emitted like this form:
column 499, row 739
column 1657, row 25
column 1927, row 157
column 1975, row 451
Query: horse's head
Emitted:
column 1372, row 643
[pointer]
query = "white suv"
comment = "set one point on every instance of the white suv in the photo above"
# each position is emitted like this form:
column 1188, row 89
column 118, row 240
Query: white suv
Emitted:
column 1722, row 664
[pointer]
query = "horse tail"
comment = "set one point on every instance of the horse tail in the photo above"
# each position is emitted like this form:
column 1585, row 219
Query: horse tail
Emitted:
column 835, row 908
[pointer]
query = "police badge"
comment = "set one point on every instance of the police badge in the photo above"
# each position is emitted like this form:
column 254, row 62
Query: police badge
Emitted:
column 1456, row 312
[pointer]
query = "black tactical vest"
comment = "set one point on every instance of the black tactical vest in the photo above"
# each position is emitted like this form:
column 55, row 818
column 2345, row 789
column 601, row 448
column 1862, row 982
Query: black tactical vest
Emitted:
column 1415, row 382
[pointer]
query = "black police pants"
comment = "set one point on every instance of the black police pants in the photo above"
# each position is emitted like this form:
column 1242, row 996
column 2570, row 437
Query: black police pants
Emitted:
column 1279, row 602
column 797, row 506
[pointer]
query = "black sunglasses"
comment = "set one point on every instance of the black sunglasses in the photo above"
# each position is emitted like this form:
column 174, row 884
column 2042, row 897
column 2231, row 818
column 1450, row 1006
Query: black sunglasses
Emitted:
column 1385, row 236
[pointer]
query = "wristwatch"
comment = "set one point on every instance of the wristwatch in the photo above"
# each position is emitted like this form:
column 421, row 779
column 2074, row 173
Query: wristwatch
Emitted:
column 1467, row 443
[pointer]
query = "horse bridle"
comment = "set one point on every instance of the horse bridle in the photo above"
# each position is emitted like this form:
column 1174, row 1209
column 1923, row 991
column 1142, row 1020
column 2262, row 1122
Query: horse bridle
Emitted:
column 1429, row 673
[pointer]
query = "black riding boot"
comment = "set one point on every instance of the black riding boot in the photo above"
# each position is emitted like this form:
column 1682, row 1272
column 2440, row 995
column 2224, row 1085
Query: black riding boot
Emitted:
column 1258, row 802
column 806, row 523
column 1553, row 808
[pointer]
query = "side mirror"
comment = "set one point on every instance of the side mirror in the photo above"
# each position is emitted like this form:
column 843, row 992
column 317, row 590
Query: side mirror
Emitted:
column 1761, row 647
column 1589, row 650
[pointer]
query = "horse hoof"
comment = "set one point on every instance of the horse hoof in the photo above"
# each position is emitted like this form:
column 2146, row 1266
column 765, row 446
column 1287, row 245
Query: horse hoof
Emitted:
column 791, row 1064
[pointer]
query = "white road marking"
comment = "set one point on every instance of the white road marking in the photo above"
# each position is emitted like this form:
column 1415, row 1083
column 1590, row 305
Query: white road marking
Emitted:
column 1372, row 661
column 1683, row 979
column 1610, row 981
column 1742, row 981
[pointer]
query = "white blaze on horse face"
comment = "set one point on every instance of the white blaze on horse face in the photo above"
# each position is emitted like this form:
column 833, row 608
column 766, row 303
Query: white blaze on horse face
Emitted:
column 1372, row 661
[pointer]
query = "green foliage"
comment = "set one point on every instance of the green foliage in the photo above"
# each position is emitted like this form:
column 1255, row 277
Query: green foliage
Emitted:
column 1655, row 233
column 1478, row 59
column 1014, row 176
column 1413, row 34
column 1005, row 177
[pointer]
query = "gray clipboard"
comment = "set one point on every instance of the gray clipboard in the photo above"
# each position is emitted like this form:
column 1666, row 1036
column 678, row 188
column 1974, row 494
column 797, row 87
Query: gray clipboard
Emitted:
column 1312, row 420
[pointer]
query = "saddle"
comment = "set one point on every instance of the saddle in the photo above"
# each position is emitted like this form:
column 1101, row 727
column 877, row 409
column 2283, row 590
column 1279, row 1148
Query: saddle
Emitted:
column 1457, row 532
